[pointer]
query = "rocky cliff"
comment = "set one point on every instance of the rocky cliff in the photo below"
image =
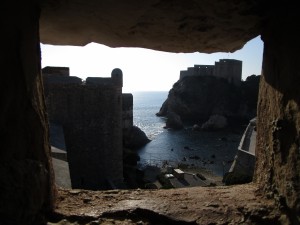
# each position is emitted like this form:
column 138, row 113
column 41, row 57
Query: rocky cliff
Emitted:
column 196, row 98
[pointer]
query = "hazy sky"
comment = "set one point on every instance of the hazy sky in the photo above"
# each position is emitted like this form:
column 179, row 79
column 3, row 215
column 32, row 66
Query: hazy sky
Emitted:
column 143, row 69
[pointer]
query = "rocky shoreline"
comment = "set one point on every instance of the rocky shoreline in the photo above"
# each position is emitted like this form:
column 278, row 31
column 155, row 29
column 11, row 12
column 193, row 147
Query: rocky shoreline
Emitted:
column 210, row 102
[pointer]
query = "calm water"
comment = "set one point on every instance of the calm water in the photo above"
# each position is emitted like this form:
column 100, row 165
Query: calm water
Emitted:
column 145, row 106
column 210, row 150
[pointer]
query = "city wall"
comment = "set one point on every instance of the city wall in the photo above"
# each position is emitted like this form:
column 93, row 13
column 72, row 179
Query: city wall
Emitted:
column 229, row 69
column 127, row 110
column 242, row 168
column 91, row 115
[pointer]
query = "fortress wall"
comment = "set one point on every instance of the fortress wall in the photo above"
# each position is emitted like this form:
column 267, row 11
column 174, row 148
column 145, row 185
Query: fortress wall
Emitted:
column 183, row 73
column 94, row 136
column 229, row 69
column 51, row 81
column 55, row 70
column 205, row 70
column 191, row 71
column 127, row 110
column 236, row 72
column 91, row 115
column 58, row 102
column 103, row 81
column 198, row 70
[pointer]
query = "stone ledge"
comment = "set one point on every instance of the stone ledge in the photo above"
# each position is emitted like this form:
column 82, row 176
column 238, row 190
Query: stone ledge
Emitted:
column 240, row 204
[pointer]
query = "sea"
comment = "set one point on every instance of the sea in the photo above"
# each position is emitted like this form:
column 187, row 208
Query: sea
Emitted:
column 212, row 151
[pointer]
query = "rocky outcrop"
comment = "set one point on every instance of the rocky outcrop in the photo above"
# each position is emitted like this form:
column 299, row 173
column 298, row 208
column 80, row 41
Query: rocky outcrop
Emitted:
column 215, row 122
column 173, row 121
column 196, row 98
column 134, row 138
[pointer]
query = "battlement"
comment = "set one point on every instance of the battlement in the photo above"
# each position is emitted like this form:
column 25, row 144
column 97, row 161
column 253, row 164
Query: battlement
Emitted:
column 61, row 76
column 90, row 113
column 229, row 69
column 56, row 70
column 127, row 110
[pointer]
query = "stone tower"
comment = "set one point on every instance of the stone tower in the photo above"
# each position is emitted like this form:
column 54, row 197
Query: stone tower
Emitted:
column 91, row 115
column 230, row 69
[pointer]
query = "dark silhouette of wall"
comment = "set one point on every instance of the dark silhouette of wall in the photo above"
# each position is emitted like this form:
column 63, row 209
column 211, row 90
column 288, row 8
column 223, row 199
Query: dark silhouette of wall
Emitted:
column 26, row 174
column 91, row 115
column 127, row 110
column 229, row 69
column 27, row 189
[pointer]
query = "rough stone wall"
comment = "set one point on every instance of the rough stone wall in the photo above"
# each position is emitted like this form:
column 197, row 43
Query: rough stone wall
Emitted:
column 198, row 70
column 26, row 175
column 94, row 136
column 91, row 115
column 26, row 184
column 205, row 70
column 176, row 26
column 56, row 70
column 127, row 111
column 278, row 124
column 230, row 69
column 183, row 73
column 55, row 80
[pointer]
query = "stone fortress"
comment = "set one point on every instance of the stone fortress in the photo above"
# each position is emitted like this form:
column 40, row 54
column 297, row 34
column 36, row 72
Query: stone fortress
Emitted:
column 28, row 193
column 229, row 69
column 91, row 115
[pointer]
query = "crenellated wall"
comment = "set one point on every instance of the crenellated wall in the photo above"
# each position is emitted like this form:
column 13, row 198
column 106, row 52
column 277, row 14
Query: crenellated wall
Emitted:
column 91, row 115
column 229, row 69
column 127, row 110
column 27, row 189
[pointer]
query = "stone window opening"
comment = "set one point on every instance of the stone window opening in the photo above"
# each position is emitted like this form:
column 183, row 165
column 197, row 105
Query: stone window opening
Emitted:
column 26, row 169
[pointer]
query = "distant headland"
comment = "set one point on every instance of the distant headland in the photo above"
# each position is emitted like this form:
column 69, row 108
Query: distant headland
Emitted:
column 211, row 92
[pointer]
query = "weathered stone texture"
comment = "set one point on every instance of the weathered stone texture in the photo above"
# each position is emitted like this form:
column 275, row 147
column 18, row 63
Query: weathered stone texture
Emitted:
column 169, row 25
column 58, row 71
column 172, row 25
column 91, row 115
column 229, row 69
column 240, row 204
column 278, row 125
column 127, row 110
column 26, row 176
column 94, row 137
